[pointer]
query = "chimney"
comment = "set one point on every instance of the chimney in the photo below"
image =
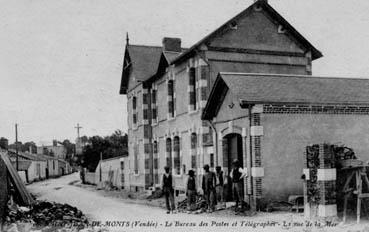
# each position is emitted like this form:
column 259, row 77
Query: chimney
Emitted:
column 172, row 44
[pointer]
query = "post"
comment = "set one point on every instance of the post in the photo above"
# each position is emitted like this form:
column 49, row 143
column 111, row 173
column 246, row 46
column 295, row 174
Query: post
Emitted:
column 16, row 145
column 3, row 191
column 100, row 166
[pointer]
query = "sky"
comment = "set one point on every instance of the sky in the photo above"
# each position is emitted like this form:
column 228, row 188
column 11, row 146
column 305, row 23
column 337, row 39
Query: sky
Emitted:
column 61, row 60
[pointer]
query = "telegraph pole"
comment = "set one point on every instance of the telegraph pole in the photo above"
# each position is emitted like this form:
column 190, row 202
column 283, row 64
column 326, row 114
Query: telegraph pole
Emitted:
column 100, row 166
column 78, row 127
column 16, row 145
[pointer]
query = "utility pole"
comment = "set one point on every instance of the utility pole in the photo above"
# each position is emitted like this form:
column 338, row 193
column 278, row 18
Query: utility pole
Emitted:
column 100, row 166
column 16, row 145
column 78, row 127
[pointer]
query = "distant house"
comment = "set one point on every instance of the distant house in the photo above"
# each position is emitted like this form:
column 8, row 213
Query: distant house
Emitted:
column 55, row 149
column 114, row 170
column 52, row 166
column 63, row 167
column 30, row 167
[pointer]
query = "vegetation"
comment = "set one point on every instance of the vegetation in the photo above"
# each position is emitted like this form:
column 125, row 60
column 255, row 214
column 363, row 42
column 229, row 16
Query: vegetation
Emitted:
column 109, row 146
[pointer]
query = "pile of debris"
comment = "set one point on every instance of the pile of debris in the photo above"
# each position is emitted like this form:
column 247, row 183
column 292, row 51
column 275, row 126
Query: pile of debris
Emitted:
column 155, row 195
column 200, row 205
column 44, row 213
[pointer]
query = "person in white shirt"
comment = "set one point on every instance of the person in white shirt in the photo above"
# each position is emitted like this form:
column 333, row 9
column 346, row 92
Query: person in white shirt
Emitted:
column 237, row 175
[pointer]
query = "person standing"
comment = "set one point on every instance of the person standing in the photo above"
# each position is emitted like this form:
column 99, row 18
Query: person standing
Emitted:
column 208, row 186
column 237, row 174
column 219, row 186
column 168, row 190
column 191, row 191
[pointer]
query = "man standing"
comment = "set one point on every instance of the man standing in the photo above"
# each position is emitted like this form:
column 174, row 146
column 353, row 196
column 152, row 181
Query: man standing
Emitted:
column 168, row 190
column 237, row 174
column 191, row 191
column 208, row 186
column 219, row 184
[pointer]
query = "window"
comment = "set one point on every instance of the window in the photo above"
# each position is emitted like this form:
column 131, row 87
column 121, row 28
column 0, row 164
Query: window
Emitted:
column 171, row 104
column 177, row 155
column 193, row 150
column 211, row 160
column 169, row 152
column 136, row 158
column 134, row 112
column 192, row 90
column 155, row 152
column 208, row 137
column 156, row 165
column 154, row 106
column 54, row 164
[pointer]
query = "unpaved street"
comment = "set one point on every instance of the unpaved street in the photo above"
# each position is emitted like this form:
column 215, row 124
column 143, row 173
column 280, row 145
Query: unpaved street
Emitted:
column 145, row 218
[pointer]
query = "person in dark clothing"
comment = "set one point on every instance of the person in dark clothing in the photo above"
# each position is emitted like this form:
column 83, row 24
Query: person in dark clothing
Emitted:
column 191, row 191
column 219, row 185
column 208, row 186
column 237, row 174
column 168, row 190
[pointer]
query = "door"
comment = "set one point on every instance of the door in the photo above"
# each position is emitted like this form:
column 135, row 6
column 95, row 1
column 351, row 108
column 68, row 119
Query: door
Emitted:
column 234, row 151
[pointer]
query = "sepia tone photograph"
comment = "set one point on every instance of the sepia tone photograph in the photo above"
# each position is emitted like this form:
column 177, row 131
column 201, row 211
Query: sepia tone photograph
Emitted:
column 196, row 115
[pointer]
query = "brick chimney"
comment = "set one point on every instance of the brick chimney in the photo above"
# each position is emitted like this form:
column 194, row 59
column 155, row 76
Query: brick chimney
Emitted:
column 172, row 44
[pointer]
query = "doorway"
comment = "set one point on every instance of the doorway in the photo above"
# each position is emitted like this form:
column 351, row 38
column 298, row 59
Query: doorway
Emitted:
column 232, row 149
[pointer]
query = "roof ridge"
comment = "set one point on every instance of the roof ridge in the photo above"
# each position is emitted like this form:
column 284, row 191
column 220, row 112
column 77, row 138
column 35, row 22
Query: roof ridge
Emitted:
column 140, row 45
column 292, row 75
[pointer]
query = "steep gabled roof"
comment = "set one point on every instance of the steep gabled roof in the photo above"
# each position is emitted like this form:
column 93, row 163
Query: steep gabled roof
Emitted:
column 316, row 54
column 165, row 59
column 142, row 61
column 283, row 89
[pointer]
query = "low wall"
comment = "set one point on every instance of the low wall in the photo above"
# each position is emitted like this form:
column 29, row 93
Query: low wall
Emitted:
column 90, row 178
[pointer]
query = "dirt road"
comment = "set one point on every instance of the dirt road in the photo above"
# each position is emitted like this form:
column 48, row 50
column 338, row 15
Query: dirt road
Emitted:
column 120, row 215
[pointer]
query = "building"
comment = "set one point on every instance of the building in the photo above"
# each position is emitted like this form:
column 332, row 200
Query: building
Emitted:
column 30, row 167
column 168, row 87
column 114, row 171
column 267, row 120
column 55, row 149
column 53, row 166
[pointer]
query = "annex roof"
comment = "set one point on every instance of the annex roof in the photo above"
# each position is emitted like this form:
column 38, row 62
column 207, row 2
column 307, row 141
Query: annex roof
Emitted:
column 251, row 88
column 273, row 13
column 25, row 155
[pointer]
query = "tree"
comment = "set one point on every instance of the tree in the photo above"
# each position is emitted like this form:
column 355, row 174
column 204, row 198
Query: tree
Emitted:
column 110, row 146
column 30, row 146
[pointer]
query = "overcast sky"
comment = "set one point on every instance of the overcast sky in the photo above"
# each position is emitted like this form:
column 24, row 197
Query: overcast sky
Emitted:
column 61, row 60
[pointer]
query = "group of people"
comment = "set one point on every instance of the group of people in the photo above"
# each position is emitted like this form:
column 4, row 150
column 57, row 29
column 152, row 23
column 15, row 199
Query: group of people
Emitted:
column 213, row 184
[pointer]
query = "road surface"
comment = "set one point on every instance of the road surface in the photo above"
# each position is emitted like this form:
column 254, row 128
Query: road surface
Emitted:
column 120, row 215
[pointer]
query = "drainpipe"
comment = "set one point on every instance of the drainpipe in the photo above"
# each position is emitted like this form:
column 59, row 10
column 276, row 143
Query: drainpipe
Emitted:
column 249, row 164
column 215, row 143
